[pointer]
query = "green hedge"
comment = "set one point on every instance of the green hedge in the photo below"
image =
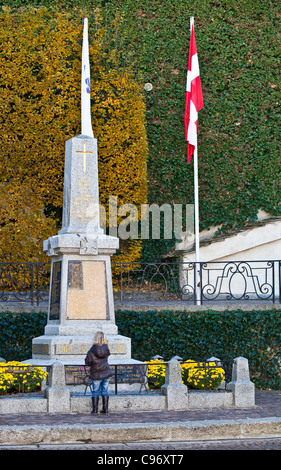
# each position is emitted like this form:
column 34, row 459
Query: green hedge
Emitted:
column 226, row 335
column 16, row 333
column 255, row 335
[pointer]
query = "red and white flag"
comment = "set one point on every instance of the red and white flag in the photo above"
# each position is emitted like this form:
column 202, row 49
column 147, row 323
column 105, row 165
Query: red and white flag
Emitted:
column 194, row 98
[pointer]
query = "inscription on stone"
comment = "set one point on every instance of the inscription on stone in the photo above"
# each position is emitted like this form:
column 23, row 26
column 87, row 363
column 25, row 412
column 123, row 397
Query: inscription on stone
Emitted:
column 75, row 275
column 71, row 349
column 83, row 349
column 127, row 373
column 55, row 291
column 87, row 293
column 41, row 349
column 130, row 373
column 84, row 205
column 75, row 375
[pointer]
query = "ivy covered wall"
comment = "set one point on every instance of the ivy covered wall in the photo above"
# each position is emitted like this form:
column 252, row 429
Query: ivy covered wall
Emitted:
column 238, row 45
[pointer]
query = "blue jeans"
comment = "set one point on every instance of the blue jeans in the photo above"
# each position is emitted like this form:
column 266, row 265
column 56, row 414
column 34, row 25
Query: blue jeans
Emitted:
column 100, row 387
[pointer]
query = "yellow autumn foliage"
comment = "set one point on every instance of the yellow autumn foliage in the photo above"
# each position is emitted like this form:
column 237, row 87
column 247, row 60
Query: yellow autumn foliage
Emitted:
column 40, row 73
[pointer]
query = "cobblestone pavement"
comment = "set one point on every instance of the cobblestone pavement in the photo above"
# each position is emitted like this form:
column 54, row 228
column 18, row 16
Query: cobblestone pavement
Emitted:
column 268, row 404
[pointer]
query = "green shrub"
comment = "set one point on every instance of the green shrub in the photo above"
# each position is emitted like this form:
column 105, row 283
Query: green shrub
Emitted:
column 16, row 333
column 200, row 335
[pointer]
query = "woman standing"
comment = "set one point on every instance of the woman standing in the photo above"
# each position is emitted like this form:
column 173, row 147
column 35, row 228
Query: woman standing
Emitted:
column 100, row 371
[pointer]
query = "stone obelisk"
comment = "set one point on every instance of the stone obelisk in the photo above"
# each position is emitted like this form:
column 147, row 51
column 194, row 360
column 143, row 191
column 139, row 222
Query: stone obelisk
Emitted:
column 81, row 295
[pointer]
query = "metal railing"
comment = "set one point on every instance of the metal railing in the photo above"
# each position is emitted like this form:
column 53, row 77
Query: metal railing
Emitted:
column 213, row 375
column 24, row 282
column 204, row 282
column 123, row 374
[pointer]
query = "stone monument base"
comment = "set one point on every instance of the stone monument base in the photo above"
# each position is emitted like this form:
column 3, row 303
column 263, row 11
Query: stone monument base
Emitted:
column 72, row 349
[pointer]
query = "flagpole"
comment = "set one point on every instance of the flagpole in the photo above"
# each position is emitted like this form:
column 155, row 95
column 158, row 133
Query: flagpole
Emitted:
column 86, row 123
column 196, row 215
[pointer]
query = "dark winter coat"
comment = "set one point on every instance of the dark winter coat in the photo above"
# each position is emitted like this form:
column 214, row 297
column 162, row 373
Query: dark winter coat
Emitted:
column 97, row 360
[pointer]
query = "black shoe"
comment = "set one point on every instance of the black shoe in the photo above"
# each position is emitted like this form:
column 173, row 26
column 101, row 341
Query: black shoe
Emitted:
column 95, row 402
column 104, row 405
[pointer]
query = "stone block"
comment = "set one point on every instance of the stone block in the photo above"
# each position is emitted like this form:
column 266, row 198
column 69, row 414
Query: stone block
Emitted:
column 57, row 394
column 175, row 391
column 242, row 388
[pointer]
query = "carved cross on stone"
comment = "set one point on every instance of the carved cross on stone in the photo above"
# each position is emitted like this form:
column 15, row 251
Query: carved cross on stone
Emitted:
column 84, row 152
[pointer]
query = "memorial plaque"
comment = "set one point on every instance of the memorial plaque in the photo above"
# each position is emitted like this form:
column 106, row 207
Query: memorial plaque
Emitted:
column 77, row 348
column 75, row 275
column 123, row 374
column 76, row 375
column 43, row 349
column 55, row 291
column 131, row 373
column 87, row 291
column 71, row 349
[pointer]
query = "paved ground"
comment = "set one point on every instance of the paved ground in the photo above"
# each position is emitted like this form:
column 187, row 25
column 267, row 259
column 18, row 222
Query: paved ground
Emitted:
column 231, row 444
column 268, row 405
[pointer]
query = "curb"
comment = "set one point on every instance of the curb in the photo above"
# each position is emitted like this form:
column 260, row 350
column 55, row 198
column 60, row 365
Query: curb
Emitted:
column 137, row 432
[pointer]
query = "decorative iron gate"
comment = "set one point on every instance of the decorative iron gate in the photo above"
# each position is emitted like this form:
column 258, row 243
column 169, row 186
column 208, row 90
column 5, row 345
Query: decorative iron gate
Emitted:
column 217, row 281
